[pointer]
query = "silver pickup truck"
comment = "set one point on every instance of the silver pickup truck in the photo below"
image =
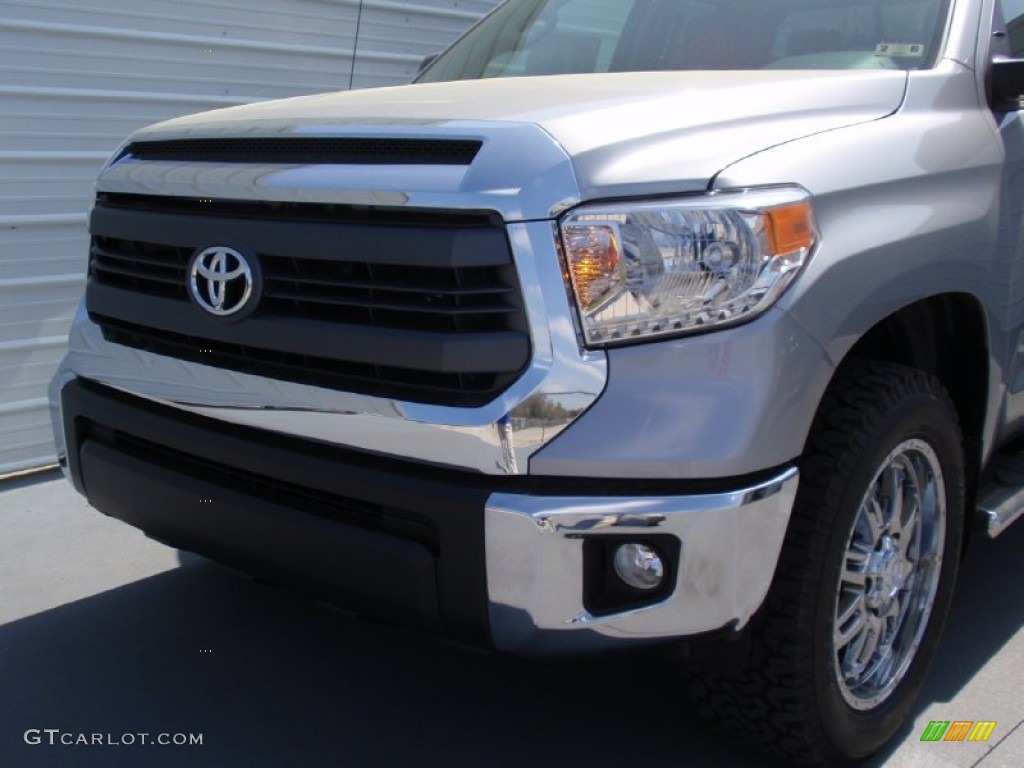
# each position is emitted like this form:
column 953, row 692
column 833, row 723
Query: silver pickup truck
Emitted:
column 667, row 322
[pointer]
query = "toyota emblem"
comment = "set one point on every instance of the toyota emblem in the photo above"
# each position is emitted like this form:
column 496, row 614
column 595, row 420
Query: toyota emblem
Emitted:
column 221, row 280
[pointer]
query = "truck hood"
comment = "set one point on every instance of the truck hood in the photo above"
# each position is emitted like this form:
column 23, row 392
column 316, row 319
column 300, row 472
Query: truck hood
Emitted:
column 625, row 134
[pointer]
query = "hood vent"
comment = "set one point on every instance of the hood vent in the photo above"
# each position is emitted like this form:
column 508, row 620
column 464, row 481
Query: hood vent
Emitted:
column 307, row 150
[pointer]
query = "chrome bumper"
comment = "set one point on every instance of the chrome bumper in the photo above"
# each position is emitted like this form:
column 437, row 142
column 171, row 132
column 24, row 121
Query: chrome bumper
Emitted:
column 730, row 544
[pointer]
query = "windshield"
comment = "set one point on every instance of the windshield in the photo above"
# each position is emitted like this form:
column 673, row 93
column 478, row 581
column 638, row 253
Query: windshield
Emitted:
column 552, row 37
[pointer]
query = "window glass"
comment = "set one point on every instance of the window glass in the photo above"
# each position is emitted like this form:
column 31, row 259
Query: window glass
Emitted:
column 571, row 37
column 1013, row 14
column 546, row 37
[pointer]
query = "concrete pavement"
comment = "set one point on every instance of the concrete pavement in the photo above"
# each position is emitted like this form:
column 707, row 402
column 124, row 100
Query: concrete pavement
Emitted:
column 103, row 631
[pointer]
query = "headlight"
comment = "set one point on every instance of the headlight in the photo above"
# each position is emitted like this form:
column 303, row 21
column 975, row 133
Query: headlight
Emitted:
column 640, row 270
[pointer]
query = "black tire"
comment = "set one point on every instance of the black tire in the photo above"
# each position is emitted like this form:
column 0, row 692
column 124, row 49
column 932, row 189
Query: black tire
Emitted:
column 788, row 697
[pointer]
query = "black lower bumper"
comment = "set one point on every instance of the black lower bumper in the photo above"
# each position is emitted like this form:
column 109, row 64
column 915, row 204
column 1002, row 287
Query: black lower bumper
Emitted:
column 385, row 538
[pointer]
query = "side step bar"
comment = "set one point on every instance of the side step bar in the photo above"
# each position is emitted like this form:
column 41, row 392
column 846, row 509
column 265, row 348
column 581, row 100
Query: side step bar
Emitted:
column 998, row 507
column 1001, row 499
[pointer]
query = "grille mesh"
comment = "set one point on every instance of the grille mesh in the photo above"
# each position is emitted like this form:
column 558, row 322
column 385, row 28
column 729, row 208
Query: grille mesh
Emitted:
column 458, row 300
column 310, row 150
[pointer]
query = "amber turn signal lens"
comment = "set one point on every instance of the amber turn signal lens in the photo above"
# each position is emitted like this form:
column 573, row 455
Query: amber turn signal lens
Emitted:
column 593, row 258
column 791, row 228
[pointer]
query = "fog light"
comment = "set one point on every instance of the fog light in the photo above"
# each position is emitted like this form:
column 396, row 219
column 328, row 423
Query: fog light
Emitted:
column 639, row 565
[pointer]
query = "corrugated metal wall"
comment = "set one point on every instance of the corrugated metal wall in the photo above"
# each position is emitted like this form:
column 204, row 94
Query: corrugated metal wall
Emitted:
column 76, row 76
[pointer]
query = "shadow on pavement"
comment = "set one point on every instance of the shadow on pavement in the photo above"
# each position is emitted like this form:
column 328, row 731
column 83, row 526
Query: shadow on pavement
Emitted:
column 988, row 611
column 288, row 683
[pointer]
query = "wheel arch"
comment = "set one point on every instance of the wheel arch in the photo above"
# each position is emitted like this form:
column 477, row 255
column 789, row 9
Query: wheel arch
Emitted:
column 947, row 337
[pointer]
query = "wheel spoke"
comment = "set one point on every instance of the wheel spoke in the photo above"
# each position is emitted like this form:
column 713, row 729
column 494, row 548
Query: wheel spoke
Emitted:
column 854, row 569
column 894, row 489
column 850, row 623
column 861, row 651
column 893, row 612
column 906, row 533
column 915, row 483
column 883, row 668
column 907, row 569
column 874, row 517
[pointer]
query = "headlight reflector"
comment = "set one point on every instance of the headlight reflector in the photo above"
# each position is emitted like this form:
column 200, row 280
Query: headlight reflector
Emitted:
column 639, row 270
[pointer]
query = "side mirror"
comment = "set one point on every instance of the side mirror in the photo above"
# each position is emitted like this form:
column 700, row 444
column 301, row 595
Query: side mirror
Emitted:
column 427, row 61
column 1007, row 80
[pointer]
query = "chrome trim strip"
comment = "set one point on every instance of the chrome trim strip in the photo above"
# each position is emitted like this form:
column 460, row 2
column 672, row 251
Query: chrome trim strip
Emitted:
column 520, row 171
column 730, row 546
column 1000, row 507
column 57, row 419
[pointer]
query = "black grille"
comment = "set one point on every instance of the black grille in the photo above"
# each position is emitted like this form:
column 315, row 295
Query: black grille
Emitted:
column 373, row 318
column 453, row 300
column 307, row 150
column 140, row 267
column 380, row 380
column 359, row 513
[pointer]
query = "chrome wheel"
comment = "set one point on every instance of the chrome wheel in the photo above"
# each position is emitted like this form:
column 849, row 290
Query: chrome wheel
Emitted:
column 890, row 575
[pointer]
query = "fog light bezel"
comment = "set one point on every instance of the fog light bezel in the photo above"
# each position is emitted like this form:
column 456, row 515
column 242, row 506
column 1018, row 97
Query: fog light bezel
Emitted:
column 605, row 593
